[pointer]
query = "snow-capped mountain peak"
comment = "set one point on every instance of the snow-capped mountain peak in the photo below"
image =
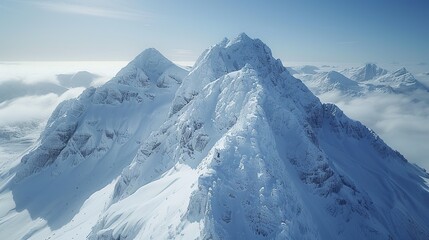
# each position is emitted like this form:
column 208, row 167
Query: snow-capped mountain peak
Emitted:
column 336, row 76
column 399, row 72
column 246, row 152
column 151, row 59
column 402, row 81
column 234, row 54
column 331, row 81
column 149, row 79
column 149, row 67
column 368, row 72
column 242, row 37
column 223, row 58
column 337, row 80
column 367, row 79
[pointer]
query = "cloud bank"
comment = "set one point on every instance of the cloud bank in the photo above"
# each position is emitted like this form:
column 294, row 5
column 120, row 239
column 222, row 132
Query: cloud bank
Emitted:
column 402, row 121
column 33, row 108
column 30, row 91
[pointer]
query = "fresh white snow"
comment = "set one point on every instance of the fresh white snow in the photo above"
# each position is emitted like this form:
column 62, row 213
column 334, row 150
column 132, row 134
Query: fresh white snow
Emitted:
column 235, row 148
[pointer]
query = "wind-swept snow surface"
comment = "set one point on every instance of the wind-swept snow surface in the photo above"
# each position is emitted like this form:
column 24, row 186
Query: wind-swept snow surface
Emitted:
column 236, row 148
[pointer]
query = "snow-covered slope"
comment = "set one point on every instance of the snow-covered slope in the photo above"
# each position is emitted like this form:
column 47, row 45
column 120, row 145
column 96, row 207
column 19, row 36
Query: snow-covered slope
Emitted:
column 332, row 80
column 100, row 118
column 401, row 81
column 367, row 72
column 89, row 140
column 240, row 150
column 222, row 58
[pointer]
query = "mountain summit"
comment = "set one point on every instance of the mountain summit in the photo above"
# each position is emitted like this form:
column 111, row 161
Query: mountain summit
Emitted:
column 367, row 72
column 402, row 81
column 368, row 79
column 236, row 148
column 223, row 58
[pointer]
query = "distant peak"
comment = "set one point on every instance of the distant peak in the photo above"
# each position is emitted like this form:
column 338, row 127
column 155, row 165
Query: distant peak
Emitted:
column 367, row 72
column 309, row 69
column 373, row 68
column 151, row 50
column 334, row 74
column 149, row 58
column 150, row 53
column 149, row 64
column 243, row 38
column 371, row 65
column 400, row 71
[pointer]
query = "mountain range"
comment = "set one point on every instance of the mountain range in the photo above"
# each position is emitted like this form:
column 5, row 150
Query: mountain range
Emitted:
column 366, row 79
column 234, row 148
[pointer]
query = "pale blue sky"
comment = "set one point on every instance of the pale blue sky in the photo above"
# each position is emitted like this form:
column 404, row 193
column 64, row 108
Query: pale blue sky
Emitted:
column 305, row 31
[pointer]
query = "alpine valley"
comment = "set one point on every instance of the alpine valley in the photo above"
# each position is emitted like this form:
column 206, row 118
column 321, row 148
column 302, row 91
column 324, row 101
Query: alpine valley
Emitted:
column 233, row 148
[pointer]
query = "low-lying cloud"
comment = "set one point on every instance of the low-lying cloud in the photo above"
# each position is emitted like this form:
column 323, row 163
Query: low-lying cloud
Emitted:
column 402, row 121
column 16, row 88
column 33, row 108
column 36, row 72
column 30, row 91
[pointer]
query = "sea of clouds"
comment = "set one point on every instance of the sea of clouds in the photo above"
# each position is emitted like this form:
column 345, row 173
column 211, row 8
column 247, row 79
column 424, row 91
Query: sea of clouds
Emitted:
column 401, row 120
column 30, row 91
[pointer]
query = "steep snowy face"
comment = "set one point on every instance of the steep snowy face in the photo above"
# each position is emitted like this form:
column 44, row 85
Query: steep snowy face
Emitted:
column 89, row 140
column 224, row 136
column 89, row 126
column 365, row 73
column 223, row 58
column 256, row 159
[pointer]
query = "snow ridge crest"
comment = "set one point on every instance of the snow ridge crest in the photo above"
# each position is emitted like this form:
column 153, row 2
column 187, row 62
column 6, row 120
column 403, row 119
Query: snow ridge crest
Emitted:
column 223, row 58
column 236, row 148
